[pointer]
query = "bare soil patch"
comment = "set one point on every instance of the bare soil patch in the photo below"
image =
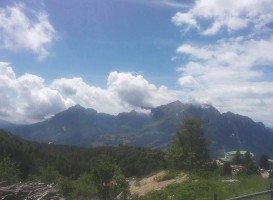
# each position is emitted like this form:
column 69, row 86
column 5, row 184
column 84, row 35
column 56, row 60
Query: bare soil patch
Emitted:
column 151, row 183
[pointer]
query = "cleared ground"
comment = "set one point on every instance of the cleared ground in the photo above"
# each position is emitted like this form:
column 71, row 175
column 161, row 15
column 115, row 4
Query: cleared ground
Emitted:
column 151, row 183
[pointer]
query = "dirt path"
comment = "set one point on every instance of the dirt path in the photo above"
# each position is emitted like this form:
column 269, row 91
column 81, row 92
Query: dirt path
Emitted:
column 146, row 185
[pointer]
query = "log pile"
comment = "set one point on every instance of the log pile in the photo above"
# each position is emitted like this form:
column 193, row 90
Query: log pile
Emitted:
column 30, row 191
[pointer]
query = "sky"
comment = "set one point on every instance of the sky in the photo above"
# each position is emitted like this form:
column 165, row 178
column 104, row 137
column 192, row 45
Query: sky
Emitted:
column 121, row 55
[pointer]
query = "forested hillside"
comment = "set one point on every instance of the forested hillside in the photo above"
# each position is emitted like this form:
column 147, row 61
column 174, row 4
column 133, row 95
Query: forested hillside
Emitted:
column 72, row 161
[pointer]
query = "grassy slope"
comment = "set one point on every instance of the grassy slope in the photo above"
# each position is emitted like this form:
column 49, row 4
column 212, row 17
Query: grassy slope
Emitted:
column 203, row 189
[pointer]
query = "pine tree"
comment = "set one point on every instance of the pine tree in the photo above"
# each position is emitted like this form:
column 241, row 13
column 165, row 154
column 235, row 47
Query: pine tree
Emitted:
column 226, row 171
column 237, row 159
column 263, row 162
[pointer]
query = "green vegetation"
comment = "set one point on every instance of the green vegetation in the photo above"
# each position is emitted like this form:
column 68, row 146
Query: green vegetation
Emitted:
column 198, row 188
column 102, row 172
column 9, row 170
column 72, row 161
column 109, row 180
column 263, row 162
column 73, row 168
column 246, row 160
column 226, row 170
column 190, row 149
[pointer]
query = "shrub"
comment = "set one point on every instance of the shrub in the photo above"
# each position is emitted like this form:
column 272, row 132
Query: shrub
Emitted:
column 9, row 170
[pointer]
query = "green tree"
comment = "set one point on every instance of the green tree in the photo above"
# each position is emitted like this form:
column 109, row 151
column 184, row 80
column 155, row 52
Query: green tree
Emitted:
column 263, row 162
column 189, row 150
column 46, row 174
column 9, row 170
column 247, row 158
column 226, row 170
column 120, row 185
column 82, row 188
column 249, row 169
column 174, row 155
column 237, row 159
column 109, row 180
column 213, row 166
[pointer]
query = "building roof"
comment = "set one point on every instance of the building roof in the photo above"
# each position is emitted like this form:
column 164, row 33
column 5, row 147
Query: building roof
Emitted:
column 241, row 152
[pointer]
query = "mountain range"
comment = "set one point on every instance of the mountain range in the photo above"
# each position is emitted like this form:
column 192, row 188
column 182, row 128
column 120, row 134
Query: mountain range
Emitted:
column 86, row 127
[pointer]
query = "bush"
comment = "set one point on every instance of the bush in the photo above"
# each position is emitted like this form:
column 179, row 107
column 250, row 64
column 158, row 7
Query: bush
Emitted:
column 249, row 169
column 9, row 171
column 202, row 173
column 83, row 188
column 65, row 186
column 45, row 174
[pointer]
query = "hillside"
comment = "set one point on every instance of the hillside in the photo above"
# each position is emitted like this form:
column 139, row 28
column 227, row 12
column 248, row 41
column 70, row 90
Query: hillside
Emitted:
column 87, row 127
column 5, row 124
column 72, row 161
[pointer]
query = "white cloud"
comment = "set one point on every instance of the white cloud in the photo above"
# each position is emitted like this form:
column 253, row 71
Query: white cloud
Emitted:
column 197, row 53
column 134, row 90
column 188, row 82
column 125, row 92
column 232, row 15
column 39, row 101
column 229, row 76
column 7, row 78
column 20, row 32
column 86, row 95
column 26, row 98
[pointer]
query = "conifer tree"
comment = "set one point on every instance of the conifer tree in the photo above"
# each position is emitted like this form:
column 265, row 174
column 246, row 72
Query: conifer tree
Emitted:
column 189, row 150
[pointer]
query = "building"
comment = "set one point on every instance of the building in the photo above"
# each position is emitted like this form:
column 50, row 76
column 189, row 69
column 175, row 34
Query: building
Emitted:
column 230, row 155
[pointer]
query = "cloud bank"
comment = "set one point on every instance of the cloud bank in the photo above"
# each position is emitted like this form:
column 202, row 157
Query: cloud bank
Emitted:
column 28, row 99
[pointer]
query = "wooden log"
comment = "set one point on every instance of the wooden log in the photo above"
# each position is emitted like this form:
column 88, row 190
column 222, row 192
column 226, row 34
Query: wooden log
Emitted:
column 31, row 190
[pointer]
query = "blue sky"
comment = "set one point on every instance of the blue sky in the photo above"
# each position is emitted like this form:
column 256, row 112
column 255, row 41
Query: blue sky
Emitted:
column 119, row 55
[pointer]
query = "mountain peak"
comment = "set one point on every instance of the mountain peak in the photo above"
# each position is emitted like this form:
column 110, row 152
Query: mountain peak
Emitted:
column 175, row 103
column 76, row 107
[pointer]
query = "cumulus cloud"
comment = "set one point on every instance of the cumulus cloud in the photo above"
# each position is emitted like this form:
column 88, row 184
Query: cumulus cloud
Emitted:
column 125, row 92
column 20, row 32
column 188, row 81
column 134, row 90
column 212, row 16
column 86, row 95
column 26, row 98
column 40, row 101
column 229, row 76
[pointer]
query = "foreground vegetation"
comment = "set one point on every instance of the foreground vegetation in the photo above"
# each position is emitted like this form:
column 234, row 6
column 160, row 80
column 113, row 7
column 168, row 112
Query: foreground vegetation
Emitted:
column 200, row 188
column 103, row 172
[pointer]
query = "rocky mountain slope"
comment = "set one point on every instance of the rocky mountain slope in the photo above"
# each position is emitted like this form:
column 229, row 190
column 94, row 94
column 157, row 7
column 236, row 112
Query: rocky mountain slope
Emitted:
column 86, row 127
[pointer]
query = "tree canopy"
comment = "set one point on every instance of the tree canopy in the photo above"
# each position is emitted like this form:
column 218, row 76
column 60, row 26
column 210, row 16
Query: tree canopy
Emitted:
column 190, row 149
column 263, row 162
